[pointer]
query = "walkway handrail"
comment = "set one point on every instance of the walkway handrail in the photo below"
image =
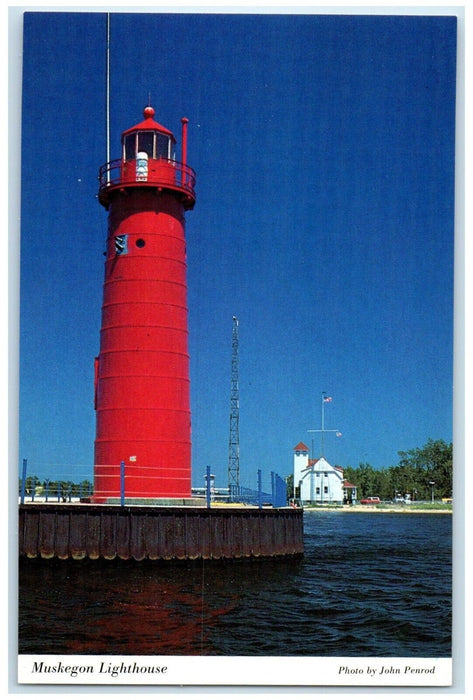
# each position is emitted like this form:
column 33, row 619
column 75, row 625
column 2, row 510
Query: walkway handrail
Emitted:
column 77, row 486
column 168, row 174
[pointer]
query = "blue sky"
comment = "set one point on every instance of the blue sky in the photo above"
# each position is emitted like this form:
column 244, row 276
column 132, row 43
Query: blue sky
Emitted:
column 324, row 153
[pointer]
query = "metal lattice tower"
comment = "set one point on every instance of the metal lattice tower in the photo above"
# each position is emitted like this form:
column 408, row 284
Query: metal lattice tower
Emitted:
column 234, row 439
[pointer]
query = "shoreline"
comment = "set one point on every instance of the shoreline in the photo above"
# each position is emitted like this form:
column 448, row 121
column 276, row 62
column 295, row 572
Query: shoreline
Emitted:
column 378, row 509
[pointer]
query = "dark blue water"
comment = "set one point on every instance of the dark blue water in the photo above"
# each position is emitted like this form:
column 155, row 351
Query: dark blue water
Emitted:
column 370, row 584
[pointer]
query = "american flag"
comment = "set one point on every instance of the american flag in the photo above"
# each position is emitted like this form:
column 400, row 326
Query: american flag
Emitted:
column 327, row 398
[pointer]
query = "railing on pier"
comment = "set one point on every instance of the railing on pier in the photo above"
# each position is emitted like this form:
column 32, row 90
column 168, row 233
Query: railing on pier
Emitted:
column 75, row 485
column 257, row 497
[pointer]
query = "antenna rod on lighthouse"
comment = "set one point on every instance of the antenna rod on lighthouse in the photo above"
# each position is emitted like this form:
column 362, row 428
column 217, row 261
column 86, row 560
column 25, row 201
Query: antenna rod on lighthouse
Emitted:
column 107, row 95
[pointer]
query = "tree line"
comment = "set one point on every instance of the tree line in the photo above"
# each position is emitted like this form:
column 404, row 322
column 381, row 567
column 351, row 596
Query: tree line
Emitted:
column 55, row 489
column 421, row 472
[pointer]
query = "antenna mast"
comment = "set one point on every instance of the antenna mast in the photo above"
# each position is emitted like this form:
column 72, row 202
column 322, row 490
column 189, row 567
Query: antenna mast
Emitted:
column 107, row 93
column 234, row 439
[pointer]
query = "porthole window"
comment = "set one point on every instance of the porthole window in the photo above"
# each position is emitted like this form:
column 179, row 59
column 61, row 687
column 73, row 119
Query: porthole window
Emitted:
column 140, row 243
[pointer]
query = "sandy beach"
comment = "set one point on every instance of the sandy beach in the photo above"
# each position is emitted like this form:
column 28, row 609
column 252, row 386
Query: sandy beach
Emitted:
column 385, row 508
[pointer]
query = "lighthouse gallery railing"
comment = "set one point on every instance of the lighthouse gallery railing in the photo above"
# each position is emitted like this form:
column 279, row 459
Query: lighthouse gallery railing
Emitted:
column 160, row 173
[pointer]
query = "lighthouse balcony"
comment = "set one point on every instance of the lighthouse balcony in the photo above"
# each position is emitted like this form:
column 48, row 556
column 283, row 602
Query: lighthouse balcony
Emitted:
column 163, row 174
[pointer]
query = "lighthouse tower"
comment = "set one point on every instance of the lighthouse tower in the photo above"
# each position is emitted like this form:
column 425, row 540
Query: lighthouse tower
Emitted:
column 142, row 372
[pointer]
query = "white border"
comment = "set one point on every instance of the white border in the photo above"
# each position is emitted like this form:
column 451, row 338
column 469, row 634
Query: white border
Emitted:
column 247, row 671
column 295, row 672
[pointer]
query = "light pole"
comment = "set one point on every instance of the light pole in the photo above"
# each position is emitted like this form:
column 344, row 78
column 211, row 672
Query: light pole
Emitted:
column 432, row 484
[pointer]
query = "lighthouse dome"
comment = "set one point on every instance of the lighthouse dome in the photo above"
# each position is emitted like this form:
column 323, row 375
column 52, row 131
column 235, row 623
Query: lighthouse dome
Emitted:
column 149, row 124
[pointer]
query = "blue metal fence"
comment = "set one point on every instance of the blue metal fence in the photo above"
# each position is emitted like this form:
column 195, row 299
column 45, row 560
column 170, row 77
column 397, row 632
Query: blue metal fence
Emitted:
column 279, row 491
column 277, row 497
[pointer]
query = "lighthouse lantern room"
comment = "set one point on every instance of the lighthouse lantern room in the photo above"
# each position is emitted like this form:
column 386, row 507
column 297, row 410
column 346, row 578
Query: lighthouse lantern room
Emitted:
column 142, row 395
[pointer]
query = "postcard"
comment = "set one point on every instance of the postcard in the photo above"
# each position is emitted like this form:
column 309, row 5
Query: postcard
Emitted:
column 236, row 308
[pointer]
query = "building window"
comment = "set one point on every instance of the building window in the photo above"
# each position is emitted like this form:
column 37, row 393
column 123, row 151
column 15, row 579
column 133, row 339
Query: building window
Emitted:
column 130, row 146
column 163, row 146
column 155, row 144
column 145, row 142
column 121, row 247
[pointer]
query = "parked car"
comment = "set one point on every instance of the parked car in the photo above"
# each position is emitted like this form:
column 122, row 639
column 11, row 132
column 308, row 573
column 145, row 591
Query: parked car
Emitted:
column 370, row 500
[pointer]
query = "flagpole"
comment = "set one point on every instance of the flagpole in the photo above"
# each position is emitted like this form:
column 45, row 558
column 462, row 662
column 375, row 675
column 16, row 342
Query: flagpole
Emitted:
column 322, row 431
column 323, row 421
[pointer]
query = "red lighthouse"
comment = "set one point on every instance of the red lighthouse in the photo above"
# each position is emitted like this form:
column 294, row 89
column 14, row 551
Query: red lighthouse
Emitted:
column 142, row 372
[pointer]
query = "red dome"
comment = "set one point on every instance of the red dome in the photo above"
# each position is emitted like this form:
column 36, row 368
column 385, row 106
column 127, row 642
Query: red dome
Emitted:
column 149, row 124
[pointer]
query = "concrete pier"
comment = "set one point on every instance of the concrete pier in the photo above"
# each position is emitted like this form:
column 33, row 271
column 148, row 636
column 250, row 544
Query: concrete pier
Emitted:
column 86, row 531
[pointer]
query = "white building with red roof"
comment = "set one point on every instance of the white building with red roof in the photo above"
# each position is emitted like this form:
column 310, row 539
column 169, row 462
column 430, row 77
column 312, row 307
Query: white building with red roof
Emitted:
column 317, row 481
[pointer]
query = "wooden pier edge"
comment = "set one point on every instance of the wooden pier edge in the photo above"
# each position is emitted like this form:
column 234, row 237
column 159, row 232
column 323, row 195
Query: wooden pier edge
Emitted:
column 85, row 531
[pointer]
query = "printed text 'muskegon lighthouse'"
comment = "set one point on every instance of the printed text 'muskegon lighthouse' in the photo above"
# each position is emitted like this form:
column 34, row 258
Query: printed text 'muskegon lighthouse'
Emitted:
column 142, row 388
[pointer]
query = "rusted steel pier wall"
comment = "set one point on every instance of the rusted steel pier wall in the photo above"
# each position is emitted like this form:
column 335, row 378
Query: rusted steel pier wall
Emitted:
column 65, row 531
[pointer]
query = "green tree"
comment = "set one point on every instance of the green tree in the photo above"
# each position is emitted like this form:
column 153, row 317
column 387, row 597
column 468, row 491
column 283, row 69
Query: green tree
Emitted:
column 31, row 483
column 431, row 463
column 413, row 474
column 290, row 486
column 383, row 485
column 365, row 480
